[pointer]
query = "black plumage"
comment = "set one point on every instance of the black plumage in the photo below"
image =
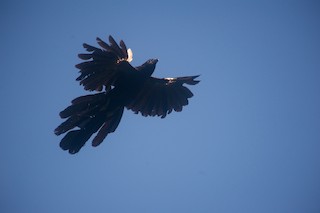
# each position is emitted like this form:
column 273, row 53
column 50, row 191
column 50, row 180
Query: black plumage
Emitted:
column 119, row 85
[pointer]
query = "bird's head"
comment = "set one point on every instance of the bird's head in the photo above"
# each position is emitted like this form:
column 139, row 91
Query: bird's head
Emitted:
column 148, row 67
column 152, row 61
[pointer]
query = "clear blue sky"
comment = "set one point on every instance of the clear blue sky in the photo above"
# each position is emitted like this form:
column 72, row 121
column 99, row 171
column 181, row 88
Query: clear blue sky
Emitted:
column 248, row 141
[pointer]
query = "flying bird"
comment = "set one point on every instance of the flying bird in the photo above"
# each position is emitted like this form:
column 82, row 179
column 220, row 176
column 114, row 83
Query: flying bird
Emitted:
column 118, row 85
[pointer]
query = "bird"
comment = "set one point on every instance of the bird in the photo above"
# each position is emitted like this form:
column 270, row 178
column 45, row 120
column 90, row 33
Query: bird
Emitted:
column 114, row 84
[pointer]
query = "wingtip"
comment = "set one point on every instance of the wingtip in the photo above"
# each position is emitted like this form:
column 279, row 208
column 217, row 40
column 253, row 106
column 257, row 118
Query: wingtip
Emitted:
column 195, row 76
column 191, row 80
column 112, row 40
column 195, row 81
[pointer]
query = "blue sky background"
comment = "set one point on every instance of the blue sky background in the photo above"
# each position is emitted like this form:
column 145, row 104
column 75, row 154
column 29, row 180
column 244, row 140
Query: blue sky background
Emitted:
column 248, row 142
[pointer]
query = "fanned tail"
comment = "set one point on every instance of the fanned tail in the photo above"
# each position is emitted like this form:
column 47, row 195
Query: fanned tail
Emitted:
column 85, row 116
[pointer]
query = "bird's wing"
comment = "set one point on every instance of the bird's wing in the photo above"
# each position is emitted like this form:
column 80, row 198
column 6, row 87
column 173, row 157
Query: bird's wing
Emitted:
column 102, row 67
column 159, row 97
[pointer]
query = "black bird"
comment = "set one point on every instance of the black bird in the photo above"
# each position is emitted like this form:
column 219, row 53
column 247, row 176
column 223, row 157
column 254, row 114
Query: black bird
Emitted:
column 120, row 85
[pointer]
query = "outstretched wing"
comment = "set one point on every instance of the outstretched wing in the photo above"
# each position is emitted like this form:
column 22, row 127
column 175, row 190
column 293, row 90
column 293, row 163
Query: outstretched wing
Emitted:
column 159, row 97
column 102, row 67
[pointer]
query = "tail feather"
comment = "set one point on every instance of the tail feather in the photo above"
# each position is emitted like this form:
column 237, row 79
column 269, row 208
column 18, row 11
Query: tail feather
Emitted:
column 74, row 140
column 109, row 126
column 88, row 114
column 67, row 125
column 82, row 104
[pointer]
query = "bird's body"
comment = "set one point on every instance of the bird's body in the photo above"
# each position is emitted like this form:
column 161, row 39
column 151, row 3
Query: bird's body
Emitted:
column 108, row 70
